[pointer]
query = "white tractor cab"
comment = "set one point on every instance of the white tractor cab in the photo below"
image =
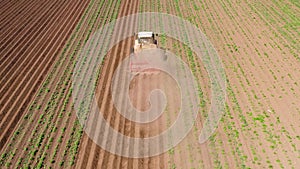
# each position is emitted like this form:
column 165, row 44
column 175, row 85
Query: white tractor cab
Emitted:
column 144, row 41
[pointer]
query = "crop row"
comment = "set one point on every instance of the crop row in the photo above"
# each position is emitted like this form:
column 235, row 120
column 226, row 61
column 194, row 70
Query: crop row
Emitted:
column 59, row 104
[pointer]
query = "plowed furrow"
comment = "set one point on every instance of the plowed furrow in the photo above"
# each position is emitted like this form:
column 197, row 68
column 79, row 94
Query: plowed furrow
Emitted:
column 57, row 39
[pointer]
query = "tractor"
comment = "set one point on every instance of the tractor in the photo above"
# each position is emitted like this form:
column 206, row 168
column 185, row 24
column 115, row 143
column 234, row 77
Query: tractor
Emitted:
column 143, row 41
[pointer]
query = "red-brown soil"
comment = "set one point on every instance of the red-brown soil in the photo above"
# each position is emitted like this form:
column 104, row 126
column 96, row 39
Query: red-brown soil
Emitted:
column 32, row 36
column 260, row 128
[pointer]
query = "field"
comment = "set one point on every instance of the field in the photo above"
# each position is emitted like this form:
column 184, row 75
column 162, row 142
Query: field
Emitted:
column 258, row 43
